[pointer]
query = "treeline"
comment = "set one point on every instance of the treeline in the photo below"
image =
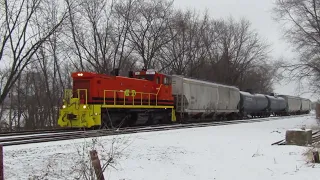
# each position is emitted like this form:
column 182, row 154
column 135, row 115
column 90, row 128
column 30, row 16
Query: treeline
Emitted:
column 43, row 41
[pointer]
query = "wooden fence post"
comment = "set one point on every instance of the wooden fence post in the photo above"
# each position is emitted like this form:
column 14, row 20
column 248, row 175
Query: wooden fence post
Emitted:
column 1, row 163
column 317, row 110
column 316, row 157
column 96, row 165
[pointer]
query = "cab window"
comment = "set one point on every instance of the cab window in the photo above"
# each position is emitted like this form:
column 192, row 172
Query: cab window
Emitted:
column 146, row 77
column 166, row 80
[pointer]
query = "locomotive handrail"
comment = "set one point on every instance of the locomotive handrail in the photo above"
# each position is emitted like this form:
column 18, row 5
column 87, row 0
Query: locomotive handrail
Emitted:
column 67, row 95
column 86, row 94
column 133, row 97
column 157, row 94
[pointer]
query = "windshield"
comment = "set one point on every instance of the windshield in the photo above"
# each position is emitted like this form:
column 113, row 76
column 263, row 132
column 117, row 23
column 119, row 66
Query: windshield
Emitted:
column 148, row 77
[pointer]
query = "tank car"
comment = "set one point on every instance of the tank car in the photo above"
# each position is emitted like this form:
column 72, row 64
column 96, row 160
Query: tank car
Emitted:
column 276, row 105
column 254, row 105
column 200, row 100
column 293, row 104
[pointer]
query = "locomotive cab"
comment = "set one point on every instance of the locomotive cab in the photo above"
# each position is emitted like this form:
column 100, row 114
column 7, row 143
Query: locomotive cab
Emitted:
column 152, row 75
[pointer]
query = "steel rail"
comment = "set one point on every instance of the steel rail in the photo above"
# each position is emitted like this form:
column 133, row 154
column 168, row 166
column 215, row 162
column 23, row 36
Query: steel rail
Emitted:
column 30, row 132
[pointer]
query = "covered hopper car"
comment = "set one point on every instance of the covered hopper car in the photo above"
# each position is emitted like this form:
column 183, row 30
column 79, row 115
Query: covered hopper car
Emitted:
column 293, row 104
column 197, row 98
column 305, row 105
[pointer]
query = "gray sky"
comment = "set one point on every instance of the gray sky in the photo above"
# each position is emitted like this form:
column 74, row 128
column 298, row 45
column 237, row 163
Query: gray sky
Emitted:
column 259, row 14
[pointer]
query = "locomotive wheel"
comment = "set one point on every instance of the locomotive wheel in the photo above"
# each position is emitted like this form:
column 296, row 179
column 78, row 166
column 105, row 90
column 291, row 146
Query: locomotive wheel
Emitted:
column 131, row 121
column 113, row 120
column 151, row 120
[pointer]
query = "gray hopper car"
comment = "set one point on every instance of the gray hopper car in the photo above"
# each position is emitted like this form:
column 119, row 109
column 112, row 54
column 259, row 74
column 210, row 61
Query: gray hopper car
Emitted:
column 195, row 96
column 293, row 104
column 305, row 105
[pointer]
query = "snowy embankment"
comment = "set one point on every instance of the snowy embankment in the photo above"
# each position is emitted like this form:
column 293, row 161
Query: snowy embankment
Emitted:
column 241, row 151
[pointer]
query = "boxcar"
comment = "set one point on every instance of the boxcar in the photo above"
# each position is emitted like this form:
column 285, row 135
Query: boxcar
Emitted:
column 196, row 96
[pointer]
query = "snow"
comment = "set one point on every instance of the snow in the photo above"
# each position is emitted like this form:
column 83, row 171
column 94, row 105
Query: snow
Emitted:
column 300, row 130
column 240, row 151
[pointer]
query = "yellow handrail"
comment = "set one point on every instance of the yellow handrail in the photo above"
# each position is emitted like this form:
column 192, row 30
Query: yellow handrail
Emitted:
column 86, row 94
column 157, row 94
column 133, row 97
column 67, row 95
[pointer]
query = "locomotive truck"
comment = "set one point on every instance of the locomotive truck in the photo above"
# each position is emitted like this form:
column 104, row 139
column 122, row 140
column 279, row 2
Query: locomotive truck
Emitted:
column 147, row 97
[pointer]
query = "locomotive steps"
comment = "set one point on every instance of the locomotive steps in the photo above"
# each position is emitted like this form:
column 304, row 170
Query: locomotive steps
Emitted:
column 48, row 137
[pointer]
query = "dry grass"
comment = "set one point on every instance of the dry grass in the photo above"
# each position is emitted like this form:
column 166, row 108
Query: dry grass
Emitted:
column 308, row 154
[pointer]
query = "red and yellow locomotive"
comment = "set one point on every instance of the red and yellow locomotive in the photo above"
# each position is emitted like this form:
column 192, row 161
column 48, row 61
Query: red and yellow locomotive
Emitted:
column 99, row 100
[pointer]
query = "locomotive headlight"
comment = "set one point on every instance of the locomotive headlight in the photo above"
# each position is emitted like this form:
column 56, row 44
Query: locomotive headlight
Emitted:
column 84, row 106
column 80, row 74
column 64, row 106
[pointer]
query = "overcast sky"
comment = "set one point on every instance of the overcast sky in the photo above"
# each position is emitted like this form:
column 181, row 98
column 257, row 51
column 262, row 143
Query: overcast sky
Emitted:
column 258, row 12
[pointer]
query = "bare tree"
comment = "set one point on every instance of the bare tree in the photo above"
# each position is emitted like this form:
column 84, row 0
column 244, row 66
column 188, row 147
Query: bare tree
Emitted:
column 187, row 47
column 149, row 30
column 91, row 30
column 301, row 23
column 19, row 37
column 121, row 19
column 237, row 49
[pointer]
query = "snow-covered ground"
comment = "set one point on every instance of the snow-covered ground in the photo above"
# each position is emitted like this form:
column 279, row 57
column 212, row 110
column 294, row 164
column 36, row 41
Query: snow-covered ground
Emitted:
column 241, row 151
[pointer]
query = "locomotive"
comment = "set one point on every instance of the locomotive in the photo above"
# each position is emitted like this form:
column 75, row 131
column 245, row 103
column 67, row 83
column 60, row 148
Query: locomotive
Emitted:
column 147, row 97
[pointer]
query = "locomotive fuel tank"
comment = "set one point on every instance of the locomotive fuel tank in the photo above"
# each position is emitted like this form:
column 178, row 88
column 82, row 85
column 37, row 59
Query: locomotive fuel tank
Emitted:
column 196, row 96
column 293, row 103
column 276, row 104
column 252, row 103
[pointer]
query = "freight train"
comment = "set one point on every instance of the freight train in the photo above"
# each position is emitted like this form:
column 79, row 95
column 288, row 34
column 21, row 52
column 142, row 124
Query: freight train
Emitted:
column 147, row 97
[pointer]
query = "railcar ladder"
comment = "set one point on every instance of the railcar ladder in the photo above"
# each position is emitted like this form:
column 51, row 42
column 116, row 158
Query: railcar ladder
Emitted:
column 180, row 104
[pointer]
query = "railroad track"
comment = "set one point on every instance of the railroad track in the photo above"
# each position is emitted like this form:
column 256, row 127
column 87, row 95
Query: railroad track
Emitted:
column 32, row 132
column 39, row 138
